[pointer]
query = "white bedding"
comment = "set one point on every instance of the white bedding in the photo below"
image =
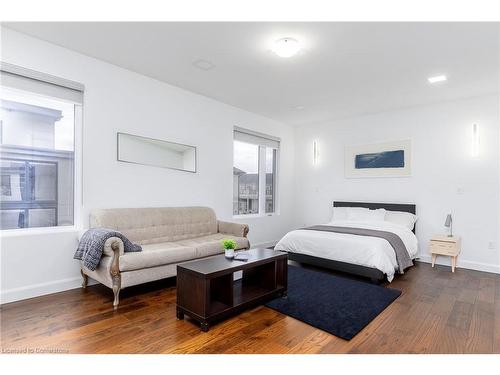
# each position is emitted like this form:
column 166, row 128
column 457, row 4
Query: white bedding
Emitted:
column 361, row 250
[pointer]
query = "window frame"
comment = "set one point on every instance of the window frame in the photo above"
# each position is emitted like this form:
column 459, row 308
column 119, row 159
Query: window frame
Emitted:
column 262, row 175
column 275, row 153
column 58, row 83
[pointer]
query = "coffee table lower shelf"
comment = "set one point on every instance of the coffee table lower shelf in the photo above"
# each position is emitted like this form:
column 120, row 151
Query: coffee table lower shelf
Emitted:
column 208, row 299
column 220, row 310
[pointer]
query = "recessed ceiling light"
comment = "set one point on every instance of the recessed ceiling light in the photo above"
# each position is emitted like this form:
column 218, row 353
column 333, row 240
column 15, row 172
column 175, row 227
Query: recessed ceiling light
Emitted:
column 299, row 107
column 437, row 79
column 286, row 47
column 203, row 64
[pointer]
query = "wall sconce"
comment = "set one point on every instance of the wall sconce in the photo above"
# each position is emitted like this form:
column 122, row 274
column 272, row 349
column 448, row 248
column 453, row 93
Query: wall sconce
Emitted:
column 315, row 153
column 475, row 141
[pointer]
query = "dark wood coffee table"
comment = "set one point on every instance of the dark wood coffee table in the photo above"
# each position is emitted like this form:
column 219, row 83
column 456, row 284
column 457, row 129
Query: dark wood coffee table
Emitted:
column 207, row 291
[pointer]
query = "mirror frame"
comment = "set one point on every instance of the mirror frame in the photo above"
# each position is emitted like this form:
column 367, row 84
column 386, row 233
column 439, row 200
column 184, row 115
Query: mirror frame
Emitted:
column 160, row 140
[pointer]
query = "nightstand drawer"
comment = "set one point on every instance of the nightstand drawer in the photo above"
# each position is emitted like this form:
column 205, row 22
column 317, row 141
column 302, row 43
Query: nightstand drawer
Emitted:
column 445, row 245
column 443, row 248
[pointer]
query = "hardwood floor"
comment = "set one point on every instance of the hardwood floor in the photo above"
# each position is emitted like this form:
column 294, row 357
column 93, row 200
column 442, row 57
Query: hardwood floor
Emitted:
column 438, row 312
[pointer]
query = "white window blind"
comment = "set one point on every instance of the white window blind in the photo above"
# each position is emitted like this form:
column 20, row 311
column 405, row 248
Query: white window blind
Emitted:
column 40, row 83
column 256, row 138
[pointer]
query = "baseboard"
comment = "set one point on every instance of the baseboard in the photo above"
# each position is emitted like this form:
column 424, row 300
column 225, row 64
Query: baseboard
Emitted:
column 41, row 289
column 37, row 290
column 446, row 261
column 263, row 244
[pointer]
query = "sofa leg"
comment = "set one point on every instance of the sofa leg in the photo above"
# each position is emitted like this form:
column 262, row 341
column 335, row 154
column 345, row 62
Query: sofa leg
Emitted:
column 85, row 280
column 116, row 290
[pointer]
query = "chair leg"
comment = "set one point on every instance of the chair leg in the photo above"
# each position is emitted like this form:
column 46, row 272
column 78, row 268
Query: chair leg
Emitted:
column 116, row 290
column 85, row 280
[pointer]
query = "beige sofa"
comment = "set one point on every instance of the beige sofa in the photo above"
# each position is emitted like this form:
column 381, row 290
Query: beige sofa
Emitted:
column 168, row 236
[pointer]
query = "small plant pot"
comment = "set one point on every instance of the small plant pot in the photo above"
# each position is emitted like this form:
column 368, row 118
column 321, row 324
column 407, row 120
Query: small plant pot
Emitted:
column 229, row 253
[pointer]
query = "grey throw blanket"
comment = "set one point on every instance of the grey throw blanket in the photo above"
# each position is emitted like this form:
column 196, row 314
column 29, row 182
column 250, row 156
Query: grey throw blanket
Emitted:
column 92, row 243
column 402, row 257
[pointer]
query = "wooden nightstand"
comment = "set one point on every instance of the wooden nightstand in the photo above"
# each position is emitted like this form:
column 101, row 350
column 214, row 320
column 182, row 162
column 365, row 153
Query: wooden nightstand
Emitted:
column 444, row 245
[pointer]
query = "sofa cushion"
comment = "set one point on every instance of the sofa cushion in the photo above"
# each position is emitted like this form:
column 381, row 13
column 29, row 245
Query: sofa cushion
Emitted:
column 157, row 254
column 156, row 225
column 211, row 244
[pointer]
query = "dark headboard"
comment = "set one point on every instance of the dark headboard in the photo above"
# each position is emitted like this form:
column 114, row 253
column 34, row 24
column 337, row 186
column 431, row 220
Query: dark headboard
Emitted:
column 411, row 208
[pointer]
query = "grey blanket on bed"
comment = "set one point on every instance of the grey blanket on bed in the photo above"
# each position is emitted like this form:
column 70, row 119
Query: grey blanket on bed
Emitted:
column 402, row 257
column 91, row 246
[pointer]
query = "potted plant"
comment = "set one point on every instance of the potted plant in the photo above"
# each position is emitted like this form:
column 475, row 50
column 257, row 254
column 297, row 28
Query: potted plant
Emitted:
column 229, row 246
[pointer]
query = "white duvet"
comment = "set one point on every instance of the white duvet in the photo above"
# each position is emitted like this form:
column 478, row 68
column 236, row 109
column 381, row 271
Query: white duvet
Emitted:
column 361, row 250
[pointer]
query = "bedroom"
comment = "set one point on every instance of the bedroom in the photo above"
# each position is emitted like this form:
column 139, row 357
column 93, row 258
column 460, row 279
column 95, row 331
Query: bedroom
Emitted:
column 310, row 187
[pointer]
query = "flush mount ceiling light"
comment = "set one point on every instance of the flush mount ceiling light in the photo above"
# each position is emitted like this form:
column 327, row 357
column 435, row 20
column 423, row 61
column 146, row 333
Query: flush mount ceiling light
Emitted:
column 203, row 64
column 286, row 47
column 437, row 79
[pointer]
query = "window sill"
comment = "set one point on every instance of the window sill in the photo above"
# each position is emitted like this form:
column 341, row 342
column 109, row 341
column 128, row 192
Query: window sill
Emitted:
column 38, row 231
column 255, row 216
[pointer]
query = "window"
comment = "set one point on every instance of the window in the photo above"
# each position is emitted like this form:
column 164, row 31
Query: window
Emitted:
column 37, row 150
column 271, row 179
column 254, row 173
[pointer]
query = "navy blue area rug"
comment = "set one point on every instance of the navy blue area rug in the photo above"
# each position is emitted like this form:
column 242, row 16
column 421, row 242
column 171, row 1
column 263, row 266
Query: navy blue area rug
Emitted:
column 337, row 305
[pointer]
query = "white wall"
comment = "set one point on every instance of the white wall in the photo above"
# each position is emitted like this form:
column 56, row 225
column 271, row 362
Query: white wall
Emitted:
column 445, row 178
column 119, row 100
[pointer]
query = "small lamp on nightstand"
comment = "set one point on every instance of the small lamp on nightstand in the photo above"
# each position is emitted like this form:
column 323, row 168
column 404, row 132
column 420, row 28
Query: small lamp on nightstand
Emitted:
column 449, row 224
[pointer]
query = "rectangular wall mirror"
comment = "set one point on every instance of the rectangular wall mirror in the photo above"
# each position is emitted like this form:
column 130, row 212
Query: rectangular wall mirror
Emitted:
column 155, row 152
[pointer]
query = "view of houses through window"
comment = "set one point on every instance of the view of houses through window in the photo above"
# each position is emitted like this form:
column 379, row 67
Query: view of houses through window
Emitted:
column 271, row 159
column 255, row 164
column 36, row 160
column 246, row 179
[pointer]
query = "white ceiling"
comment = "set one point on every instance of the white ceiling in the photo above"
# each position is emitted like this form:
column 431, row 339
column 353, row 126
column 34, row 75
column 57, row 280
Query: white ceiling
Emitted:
column 346, row 69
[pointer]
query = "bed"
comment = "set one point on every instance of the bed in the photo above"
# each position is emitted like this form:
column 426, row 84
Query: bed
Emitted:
column 362, row 255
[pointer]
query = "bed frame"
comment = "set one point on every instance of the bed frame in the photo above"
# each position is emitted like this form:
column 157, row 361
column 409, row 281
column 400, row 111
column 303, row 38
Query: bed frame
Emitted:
column 376, row 276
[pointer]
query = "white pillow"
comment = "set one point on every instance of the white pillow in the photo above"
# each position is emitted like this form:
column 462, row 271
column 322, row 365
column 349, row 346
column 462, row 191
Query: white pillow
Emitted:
column 339, row 213
column 364, row 214
column 405, row 219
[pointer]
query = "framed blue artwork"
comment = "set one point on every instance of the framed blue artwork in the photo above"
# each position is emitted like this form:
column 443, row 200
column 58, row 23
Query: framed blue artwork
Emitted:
column 389, row 159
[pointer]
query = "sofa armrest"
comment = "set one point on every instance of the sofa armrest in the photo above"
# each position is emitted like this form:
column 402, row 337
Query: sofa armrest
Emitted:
column 108, row 271
column 113, row 242
column 114, row 248
column 234, row 229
